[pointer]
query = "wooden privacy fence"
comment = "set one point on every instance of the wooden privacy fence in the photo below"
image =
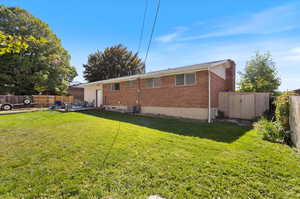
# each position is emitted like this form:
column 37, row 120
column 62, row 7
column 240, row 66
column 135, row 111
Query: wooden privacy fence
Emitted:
column 295, row 119
column 47, row 100
column 11, row 99
column 42, row 100
column 243, row 105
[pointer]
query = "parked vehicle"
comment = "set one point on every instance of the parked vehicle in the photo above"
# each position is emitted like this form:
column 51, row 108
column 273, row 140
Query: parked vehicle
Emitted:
column 8, row 102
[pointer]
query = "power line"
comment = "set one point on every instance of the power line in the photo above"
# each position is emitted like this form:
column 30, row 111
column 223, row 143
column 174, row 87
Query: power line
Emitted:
column 112, row 144
column 143, row 26
column 152, row 31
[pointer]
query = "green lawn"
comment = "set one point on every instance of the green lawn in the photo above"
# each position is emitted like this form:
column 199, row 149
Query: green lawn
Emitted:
column 81, row 155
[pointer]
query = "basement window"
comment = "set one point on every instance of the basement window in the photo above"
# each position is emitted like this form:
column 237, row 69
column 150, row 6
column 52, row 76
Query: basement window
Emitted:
column 186, row 79
column 115, row 86
column 153, row 83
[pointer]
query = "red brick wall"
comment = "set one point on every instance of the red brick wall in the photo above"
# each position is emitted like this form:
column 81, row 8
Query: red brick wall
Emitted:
column 126, row 96
column 218, row 84
column 170, row 95
column 230, row 77
column 77, row 93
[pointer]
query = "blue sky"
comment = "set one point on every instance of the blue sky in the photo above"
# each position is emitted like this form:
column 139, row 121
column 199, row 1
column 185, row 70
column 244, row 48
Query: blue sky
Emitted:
column 187, row 32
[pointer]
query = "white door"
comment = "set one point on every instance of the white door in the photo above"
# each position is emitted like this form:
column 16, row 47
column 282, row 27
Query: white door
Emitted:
column 99, row 97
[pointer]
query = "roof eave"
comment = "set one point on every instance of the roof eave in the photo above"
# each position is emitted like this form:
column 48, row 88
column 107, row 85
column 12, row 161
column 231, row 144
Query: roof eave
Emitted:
column 168, row 72
column 146, row 76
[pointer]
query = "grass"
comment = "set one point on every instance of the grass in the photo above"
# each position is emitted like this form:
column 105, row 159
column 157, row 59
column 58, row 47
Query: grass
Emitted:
column 21, row 110
column 78, row 155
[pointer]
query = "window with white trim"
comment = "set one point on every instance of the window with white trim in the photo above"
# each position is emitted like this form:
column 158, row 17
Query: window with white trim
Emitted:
column 153, row 83
column 131, row 83
column 186, row 79
column 115, row 87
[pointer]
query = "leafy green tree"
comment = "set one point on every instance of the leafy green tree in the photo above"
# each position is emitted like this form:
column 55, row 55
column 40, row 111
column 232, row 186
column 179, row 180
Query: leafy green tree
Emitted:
column 115, row 61
column 260, row 75
column 32, row 59
column 12, row 44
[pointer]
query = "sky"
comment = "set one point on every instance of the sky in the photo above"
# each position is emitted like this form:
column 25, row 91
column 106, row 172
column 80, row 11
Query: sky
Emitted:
column 187, row 32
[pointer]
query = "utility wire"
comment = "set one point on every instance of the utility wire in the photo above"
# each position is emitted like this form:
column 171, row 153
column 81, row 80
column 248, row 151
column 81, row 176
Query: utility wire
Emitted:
column 112, row 144
column 152, row 31
column 143, row 26
column 151, row 37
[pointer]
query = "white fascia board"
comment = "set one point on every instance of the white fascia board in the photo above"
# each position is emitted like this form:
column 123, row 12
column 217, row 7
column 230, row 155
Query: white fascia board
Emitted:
column 167, row 72
column 172, row 73
column 147, row 75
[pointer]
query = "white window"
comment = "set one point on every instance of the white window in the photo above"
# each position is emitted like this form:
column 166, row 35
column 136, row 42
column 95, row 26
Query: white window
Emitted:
column 179, row 80
column 153, row 83
column 186, row 79
column 131, row 83
column 115, row 86
column 190, row 78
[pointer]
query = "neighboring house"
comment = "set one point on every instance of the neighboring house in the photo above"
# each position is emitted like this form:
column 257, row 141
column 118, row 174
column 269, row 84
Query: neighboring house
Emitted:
column 297, row 91
column 188, row 92
column 77, row 91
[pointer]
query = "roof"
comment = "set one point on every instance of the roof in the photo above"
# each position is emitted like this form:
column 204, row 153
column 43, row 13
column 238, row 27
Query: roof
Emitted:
column 79, row 85
column 160, row 73
column 297, row 90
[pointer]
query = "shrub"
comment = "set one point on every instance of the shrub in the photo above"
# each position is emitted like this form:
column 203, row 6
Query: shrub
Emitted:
column 271, row 131
column 282, row 109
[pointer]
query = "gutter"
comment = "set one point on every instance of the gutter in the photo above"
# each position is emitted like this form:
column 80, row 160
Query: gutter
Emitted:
column 145, row 76
column 161, row 73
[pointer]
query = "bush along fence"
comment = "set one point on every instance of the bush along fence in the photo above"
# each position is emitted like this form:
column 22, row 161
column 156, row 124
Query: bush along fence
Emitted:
column 284, row 127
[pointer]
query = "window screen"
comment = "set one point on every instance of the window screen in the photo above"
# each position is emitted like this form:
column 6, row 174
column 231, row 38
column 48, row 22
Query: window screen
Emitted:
column 186, row 79
column 190, row 79
column 153, row 83
column 149, row 83
column 156, row 83
column 115, row 87
column 180, row 80
column 130, row 83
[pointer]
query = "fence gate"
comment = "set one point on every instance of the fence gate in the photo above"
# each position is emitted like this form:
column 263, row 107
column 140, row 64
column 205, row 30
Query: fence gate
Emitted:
column 243, row 105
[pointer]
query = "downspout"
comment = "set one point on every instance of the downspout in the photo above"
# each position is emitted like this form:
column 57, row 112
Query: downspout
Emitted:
column 209, row 96
column 139, row 99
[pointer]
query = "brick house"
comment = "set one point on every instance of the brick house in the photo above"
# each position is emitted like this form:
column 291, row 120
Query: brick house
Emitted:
column 77, row 91
column 297, row 91
column 188, row 92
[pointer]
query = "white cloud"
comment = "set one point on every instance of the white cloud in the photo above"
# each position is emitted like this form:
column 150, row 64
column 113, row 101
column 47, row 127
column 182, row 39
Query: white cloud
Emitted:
column 167, row 56
column 176, row 49
column 296, row 50
column 272, row 20
column 167, row 38
column 291, row 55
column 170, row 37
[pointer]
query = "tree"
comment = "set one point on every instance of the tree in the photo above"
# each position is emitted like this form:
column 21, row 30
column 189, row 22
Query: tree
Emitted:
column 32, row 59
column 115, row 61
column 12, row 44
column 260, row 75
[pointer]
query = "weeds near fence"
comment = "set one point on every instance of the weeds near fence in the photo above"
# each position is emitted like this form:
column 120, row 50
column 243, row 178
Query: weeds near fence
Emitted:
column 277, row 130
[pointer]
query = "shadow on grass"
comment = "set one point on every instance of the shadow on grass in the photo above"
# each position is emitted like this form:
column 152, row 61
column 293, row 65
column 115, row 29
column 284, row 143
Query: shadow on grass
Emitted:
column 221, row 132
